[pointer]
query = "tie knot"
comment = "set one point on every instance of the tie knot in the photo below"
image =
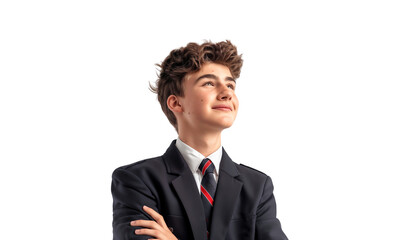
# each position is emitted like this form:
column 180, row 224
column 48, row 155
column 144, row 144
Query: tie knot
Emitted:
column 206, row 166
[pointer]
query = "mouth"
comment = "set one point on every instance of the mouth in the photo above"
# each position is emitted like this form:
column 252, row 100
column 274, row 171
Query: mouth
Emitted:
column 223, row 107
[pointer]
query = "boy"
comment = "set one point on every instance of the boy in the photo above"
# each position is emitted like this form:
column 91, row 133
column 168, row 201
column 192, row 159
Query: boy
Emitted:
column 194, row 190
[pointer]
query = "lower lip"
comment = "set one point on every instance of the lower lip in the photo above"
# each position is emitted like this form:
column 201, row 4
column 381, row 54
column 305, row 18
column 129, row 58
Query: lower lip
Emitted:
column 223, row 109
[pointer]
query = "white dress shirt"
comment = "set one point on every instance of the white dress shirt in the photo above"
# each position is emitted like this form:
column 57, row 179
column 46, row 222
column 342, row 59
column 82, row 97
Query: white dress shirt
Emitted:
column 193, row 158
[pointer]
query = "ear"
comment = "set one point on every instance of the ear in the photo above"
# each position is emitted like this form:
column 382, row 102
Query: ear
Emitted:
column 174, row 104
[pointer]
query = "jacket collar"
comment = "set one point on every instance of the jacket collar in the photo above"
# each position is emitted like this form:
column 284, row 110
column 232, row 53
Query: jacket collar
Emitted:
column 186, row 188
column 176, row 164
column 228, row 190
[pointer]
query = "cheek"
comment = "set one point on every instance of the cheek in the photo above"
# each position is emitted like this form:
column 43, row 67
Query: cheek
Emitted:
column 235, row 101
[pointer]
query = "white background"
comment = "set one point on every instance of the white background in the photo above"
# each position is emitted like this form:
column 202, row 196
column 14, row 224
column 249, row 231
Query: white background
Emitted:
column 321, row 108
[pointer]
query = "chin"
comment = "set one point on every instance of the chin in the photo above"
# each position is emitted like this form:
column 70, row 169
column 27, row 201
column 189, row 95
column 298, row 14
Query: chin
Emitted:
column 226, row 125
column 221, row 124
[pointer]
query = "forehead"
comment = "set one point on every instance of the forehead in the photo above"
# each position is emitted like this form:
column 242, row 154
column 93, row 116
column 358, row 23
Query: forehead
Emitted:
column 215, row 67
column 219, row 70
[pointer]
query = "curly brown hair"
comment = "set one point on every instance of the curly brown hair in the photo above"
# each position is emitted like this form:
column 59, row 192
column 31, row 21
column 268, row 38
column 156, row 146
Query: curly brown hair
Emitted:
column 190, row 59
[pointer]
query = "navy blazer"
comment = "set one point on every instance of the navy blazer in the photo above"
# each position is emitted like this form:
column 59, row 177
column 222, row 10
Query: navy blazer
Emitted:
column 244, row 205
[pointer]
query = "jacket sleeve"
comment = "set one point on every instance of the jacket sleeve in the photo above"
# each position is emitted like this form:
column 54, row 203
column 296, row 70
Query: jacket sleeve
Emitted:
column 129, row 194
column 268, row 227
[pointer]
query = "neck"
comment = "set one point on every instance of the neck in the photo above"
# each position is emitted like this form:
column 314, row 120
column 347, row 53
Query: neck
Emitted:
column 204, row 143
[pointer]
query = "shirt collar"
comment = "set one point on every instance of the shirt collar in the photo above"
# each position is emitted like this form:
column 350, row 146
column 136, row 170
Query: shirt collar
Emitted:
column 193, row 158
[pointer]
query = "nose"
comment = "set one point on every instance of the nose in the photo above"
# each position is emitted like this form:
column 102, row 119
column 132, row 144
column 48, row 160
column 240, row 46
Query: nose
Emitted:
column 225, row 93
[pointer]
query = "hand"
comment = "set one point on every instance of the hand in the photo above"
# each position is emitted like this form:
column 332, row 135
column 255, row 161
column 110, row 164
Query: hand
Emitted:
column 157, row 228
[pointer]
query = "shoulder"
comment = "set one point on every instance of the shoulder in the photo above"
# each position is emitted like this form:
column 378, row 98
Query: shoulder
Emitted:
column 252, row 176
column 244, row 169
column 251, row 170
column 139, row 168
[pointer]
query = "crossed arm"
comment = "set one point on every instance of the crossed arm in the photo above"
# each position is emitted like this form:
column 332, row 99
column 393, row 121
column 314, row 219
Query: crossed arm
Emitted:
column 132, row 220
column 157, row 229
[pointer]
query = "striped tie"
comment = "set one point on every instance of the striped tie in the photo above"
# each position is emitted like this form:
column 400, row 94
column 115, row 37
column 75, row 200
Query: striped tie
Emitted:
column 208, row 186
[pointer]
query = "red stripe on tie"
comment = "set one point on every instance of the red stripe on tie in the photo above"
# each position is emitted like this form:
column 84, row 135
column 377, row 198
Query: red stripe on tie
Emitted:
column 208, row 163
column 207, row 195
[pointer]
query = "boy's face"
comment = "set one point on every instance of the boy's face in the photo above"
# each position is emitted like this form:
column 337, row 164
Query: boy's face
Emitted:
column 209, row 101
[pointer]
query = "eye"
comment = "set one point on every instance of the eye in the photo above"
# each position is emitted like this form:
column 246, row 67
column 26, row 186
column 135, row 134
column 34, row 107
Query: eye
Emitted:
column 231, row 86
column 208, row 84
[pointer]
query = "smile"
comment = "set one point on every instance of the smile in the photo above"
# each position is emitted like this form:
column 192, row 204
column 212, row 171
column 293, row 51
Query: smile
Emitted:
column 223, row 108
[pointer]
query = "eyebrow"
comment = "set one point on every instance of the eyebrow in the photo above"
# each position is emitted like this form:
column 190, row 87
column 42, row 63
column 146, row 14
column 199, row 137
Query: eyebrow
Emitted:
column 212, row 76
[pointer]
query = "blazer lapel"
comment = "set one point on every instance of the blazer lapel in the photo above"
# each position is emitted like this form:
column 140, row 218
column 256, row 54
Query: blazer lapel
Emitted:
column 228, row 190
column 186, row 189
